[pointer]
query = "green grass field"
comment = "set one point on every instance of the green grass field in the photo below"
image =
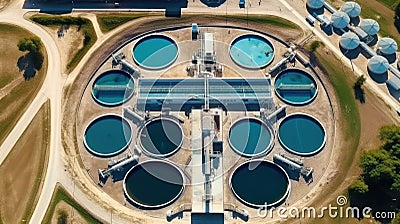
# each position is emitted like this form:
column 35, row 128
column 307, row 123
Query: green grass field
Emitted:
column 266, row 19
column 390, row 3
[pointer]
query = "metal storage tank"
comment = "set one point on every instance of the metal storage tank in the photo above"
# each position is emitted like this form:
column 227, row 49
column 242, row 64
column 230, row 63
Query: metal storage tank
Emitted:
column 387, row 46
column 340, row 19
column 315, row 4
column 352, row 9
column 349, row 41
column 370, row 26
column 378, row 64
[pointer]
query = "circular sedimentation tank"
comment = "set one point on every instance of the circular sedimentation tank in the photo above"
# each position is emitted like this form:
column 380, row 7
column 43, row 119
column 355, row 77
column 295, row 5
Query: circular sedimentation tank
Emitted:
column 153, row 184
column 155, row 51
column 252, row 51
column 295, row 86
column 250, row 137
column 107, row 135
column 113, row 87
column 161, row 137
column 302, row 134
column 259, row 182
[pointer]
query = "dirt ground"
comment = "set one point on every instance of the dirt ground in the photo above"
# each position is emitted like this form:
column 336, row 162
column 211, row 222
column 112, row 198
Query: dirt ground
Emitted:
column 3, row 3
column 73, row 216
column 22, row 167
column 68, row 44
column 17, row 98
column 10, row 35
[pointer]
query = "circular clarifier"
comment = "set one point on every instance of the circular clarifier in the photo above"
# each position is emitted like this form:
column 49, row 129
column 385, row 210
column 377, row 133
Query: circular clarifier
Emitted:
column 108, row 135
column 250, row 137
column 113, row 87
column 259, row 183
column 153, row 184
column 295, row 86
column 161, row 137
column 155, row 51
column 252, row 51
column 302, row 134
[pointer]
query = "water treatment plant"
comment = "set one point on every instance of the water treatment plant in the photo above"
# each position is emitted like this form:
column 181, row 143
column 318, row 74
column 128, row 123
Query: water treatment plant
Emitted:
column 207, row 124
column 201, row 112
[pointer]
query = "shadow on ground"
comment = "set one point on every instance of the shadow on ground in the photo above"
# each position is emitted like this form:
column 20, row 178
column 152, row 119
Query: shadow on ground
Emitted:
column 378, row 78
column 29, row 64
column 213, row 3
column 350, row 54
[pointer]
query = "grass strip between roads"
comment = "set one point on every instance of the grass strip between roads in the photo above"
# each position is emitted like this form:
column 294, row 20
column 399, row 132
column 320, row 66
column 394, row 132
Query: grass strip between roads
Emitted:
column 341, row 78
column 61, row 195
column 84, row 25
column 109, row 22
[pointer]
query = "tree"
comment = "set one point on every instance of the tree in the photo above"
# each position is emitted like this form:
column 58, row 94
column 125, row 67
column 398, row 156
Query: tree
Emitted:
column 381, row 166
column 358, row 88
column 62, row 217
column 358, row 188
column 397, row 17
column 31, row 44
column 315, row 45
column 360, row 82
column 390, row 135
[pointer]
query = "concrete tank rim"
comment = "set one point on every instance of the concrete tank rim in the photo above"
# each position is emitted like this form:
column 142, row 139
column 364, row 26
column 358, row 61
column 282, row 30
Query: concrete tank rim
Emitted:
column 112, row 104
column 154, row 206
column 150, row 68
column 108, row 155
column 320, row 148
column 158, row 156
column 260, row 160
column 265, row 151
column 291, row 102
column 251, row 67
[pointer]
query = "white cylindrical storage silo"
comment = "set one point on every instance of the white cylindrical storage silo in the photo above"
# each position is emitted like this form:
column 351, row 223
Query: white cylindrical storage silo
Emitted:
column 340, row 19
column 349, row 41
column 387, row 46
column 378, row 64
column 370, row 26
column 352, row 9
column 315, row 4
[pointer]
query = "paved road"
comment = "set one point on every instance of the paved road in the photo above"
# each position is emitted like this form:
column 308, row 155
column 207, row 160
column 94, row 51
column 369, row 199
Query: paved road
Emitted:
column 51, row 89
